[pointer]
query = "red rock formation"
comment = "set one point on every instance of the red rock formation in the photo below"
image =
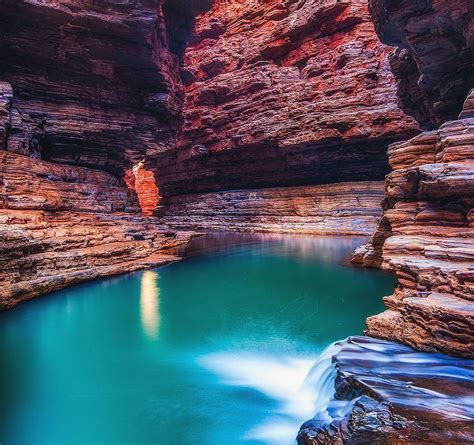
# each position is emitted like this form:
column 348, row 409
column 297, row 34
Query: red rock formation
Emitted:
column 92, row 83
column 60, row 225
column 284, row 93
column 426, row 233
column 426, row 237
column 142, row 182
column 331, row 209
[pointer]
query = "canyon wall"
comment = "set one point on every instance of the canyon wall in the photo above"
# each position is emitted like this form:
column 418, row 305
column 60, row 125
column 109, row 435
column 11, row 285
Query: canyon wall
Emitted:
column 61, row 225
column 276, row 95
column 283, row 94
column 426, row 237
column 87, row 89
column 350, row 208
column 92, row 83
column 426, row 233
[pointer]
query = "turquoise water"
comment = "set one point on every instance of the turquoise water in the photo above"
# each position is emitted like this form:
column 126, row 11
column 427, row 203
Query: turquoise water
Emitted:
column 211, row 350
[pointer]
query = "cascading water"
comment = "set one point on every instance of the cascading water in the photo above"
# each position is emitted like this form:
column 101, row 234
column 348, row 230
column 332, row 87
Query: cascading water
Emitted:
column 128, row 360
column 300, row 387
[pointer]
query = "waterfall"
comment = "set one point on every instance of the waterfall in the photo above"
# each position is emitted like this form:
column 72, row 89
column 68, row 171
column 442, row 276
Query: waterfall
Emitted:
column 299, row 387
column 321, row 379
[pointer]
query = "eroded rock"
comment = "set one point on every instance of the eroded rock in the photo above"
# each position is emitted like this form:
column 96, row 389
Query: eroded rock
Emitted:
column 284, row 93
column 426, row 237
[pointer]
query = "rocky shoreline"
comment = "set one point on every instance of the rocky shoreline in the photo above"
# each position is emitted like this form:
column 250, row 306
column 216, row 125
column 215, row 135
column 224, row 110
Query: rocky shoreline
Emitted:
column 386, row 392
column 61, row 225
column 127, row 127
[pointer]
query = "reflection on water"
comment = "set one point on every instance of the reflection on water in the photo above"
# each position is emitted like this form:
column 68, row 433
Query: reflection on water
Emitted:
column 220, row 346
column 150, row 303
column 325, row 248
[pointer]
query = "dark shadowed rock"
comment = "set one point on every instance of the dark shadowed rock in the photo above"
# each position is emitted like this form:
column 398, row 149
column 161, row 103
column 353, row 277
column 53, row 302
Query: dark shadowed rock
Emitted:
column 387, row 393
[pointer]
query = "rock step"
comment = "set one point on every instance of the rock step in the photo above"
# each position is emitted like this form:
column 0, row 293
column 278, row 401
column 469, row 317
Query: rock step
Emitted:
column 387, row 392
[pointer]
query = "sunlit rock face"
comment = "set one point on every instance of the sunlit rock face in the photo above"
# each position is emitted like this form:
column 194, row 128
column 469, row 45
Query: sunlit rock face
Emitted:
column 61, row 224
column 92, row 83
column 434, row 62
column 284, row 93
column 141, row 180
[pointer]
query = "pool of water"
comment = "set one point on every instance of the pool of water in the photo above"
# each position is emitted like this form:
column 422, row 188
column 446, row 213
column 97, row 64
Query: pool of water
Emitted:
column 211, row 350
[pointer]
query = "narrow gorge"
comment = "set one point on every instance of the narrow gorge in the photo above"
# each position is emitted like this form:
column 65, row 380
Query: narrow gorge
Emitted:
column 135, row 132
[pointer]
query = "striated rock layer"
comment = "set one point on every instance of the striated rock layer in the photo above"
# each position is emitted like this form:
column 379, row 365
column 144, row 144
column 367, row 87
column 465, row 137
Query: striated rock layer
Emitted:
column 343, row 209
column 284, row 93
column 426, row 236
column 61, row 225
column 386, row 393
column 91, row 83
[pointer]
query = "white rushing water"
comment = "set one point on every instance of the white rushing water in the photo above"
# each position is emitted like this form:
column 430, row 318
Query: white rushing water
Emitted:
column 301, row 387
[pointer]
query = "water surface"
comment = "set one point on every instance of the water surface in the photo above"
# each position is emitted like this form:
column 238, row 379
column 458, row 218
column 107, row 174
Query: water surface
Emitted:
column 212, row 350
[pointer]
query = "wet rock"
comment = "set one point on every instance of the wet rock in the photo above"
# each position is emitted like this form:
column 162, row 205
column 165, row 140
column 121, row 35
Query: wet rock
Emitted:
column 388, row 393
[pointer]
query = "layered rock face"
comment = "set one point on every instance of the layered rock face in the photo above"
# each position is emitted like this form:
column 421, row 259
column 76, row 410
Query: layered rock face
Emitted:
column 60, row 225
column 435, row 57
column 91, row 83
column 387, row 393
column 284, row 93
column 351, row 208
column 426, row 237
column 82, row 83
column 426, row 233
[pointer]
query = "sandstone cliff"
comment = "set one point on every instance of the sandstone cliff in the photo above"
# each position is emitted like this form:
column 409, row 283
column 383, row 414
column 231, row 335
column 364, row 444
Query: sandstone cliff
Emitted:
column 61, row 225
column 284, row 93
column 426, row 233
